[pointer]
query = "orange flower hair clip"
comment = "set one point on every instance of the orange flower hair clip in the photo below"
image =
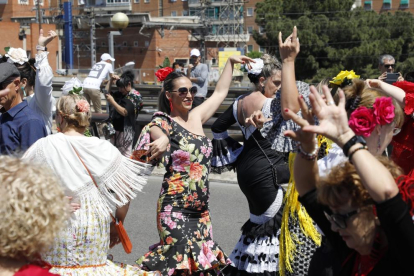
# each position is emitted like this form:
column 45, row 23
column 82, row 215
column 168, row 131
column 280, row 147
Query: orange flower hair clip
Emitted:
column 82, row 106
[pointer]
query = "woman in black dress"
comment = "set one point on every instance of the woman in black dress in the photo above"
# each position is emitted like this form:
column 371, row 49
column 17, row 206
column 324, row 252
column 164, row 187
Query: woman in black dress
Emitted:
column 261, row 163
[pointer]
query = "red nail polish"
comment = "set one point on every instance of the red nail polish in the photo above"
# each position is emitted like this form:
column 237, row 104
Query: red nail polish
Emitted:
column 301, row 96
column 286, row 110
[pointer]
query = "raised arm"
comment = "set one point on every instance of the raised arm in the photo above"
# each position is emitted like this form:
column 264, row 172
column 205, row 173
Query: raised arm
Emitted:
column 390, row 90
column 288, row 52
column 333, row 123
column 210, row 106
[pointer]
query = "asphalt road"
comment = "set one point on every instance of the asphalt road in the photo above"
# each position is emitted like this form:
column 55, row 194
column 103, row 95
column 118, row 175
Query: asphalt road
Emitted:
column 228, row 207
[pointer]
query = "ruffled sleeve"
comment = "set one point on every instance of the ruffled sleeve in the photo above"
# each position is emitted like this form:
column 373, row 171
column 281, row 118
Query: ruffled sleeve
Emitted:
column 225, row 153
column 273, row 129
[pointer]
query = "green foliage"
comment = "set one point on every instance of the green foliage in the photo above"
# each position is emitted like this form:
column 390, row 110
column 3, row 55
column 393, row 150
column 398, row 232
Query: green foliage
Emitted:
column 254, row 54
column 166, row 62
column 333, row 37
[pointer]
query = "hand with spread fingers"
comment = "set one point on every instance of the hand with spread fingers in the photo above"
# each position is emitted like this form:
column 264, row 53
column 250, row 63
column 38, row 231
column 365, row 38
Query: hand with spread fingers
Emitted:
column 44, row 40
column 257, row 119
column 290, row 48
column 333, row 120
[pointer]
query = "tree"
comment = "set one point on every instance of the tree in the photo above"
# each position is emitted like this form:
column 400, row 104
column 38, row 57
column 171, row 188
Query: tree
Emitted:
column 335, row 37
column 254, row 54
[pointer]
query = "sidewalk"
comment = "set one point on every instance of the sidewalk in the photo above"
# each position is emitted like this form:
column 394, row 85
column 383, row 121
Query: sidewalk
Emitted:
column 227, row 177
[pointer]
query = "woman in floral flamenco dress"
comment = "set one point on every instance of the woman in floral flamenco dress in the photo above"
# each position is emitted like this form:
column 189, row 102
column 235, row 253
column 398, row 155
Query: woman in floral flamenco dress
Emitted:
column 176, row 135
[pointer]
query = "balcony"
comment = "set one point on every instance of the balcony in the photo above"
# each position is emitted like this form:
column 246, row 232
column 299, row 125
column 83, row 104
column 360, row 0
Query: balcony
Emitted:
column 108, row 5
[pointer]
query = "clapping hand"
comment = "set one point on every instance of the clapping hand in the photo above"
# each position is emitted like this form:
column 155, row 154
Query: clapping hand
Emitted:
column 290, row 48
column 44, row 40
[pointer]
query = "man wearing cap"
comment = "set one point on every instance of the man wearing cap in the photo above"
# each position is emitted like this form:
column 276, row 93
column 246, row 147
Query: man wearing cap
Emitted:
column 92, row 84
column 20, row 126
column 198, row 74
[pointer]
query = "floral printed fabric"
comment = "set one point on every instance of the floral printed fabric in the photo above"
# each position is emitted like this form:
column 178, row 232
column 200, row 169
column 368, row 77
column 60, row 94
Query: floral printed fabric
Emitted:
column 183, row 220
column 135, row 97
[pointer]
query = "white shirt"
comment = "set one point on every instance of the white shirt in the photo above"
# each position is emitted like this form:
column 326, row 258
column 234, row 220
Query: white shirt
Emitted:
column 97, row 74
column 42, row 100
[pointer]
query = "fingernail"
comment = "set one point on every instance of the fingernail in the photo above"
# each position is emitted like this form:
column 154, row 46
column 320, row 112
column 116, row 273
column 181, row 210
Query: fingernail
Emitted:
column 301, row 96
column 286, row 110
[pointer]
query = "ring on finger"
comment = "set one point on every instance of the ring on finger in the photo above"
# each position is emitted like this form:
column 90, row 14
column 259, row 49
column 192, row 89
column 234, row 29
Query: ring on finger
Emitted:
column 331, row 103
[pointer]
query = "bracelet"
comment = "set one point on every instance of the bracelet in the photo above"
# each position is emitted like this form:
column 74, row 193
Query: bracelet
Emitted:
column 357, row 149
column 306, row 155
column 41, row 48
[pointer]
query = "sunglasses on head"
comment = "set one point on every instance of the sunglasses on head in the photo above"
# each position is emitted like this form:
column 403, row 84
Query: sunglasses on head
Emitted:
column 389, row 65
column 339, row 219
column 183, row 91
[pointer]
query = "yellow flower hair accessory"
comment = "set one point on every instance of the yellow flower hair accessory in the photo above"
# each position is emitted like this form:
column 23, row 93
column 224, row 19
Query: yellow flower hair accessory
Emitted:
column 344, row 78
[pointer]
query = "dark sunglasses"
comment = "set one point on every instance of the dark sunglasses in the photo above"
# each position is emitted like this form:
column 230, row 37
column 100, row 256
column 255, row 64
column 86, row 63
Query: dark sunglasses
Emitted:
column 339, row 219
column 183, row 91
column 389, row 65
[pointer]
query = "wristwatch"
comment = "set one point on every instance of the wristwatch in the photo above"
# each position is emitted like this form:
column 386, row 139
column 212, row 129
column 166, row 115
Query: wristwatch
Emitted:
column 41, row 48
column 354, row 140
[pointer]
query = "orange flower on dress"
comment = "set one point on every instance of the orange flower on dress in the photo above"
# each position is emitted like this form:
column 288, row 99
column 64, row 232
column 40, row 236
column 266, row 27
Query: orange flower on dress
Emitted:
column 196, row 171
column 175, row 184
column 169, row 240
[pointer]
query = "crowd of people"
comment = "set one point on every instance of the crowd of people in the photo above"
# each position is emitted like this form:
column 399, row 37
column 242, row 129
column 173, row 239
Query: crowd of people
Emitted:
column 328, row 172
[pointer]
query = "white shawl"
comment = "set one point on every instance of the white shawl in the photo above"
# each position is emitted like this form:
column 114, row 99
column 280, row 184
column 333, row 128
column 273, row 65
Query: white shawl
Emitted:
column 117, row 177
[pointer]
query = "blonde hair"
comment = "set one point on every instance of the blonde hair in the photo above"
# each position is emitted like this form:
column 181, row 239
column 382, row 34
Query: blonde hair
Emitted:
column 344, row 179
column 66, row 106
column 33, row 209
column 358, row 94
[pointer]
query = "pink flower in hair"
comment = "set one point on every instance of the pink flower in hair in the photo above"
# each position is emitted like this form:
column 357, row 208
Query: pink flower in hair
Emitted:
column 362, row 121
column 384, row 110
column 82, row 106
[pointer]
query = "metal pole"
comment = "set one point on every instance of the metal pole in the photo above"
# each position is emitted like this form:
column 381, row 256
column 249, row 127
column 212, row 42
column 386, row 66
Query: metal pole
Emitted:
column 111, row 44
column 93, row 46
column 39, row 14
column 67, row 7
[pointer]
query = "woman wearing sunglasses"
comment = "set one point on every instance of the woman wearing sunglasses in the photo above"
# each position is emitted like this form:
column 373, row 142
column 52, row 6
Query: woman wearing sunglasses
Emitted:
column 176, row 137
column 357, row 206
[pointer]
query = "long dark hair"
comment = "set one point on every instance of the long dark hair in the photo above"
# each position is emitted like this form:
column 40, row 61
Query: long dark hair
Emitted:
column 163, row 102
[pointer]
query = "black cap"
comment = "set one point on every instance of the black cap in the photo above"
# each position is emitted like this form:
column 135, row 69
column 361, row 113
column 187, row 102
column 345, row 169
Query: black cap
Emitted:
column 8, row 70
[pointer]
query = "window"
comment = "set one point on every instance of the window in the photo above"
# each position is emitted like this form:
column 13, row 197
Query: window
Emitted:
column 103, row 44
column 261, row 49
column 185, row 13
column 173, row 0
column 23, row 2
column 249, row 11
column 368, row 5
column 146, row 43
column 146, row 1
column 135, row 43
column 262, row 29
column 182, row 60
column 404, row 4
column 184, row 0
column 136, row 1
column 386, row 4
column 173, row 13
column 249, row 48
column 35, row 2
column 124, row 43
column 116, row 2
column 250, row 29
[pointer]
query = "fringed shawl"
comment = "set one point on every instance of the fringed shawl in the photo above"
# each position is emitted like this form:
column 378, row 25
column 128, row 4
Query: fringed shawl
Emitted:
column 118, row 178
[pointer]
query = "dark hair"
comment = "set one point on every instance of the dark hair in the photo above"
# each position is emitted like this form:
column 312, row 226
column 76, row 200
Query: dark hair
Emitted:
column 409, row 76
column 126, row 78
column 177, row 63
column 27, row 71
column 163, row 103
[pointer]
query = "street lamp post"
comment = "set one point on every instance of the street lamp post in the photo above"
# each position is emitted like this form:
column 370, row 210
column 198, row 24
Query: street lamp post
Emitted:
column 119, row 21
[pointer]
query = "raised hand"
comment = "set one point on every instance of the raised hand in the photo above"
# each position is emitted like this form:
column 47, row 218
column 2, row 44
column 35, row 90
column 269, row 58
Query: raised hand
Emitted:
column 242, row 60
column 44, row 40
column 290, row 48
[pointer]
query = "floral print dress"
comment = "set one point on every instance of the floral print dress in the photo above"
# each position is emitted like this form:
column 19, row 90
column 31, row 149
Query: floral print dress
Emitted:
column 186, row 244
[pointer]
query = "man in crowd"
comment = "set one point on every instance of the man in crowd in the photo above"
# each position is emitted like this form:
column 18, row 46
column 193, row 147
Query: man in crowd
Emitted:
column 20, row 126
column 386, row 65
column 92, row 84
column 198, row 74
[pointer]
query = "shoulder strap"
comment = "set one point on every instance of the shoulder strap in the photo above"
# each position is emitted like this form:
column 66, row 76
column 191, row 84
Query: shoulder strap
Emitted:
column 94, row 182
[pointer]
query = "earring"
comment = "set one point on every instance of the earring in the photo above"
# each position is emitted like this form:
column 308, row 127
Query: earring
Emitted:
column 24, row 91
column 171, row 106
column 379, row 143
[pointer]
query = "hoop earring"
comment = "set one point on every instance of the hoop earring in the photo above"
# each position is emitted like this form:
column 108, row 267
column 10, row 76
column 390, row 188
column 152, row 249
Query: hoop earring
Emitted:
column 171, row 106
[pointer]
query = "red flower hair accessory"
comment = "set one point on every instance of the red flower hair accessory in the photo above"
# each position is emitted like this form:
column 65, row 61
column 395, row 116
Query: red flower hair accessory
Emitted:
column 384, row 110
column 406, row 187
column 82, row 106
column 363, row 120
column 163, row 73
column 408, row 88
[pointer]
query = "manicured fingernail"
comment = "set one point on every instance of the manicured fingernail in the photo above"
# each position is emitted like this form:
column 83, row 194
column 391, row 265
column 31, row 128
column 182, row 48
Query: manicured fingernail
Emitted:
column 301, row 96
column 286, row 110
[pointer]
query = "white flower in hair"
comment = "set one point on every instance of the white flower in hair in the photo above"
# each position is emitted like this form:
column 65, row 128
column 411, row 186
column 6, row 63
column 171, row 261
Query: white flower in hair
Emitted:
column 72, row 86
column 256, row 67
column 17, row 55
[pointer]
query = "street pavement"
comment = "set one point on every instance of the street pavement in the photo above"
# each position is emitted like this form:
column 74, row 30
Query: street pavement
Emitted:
column 229, row 211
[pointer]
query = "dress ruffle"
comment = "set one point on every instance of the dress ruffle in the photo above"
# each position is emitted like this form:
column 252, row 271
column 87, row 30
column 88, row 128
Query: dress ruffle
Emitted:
column 225, row 153
column 110, row 268
column 190, row 259
column 268, row 228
